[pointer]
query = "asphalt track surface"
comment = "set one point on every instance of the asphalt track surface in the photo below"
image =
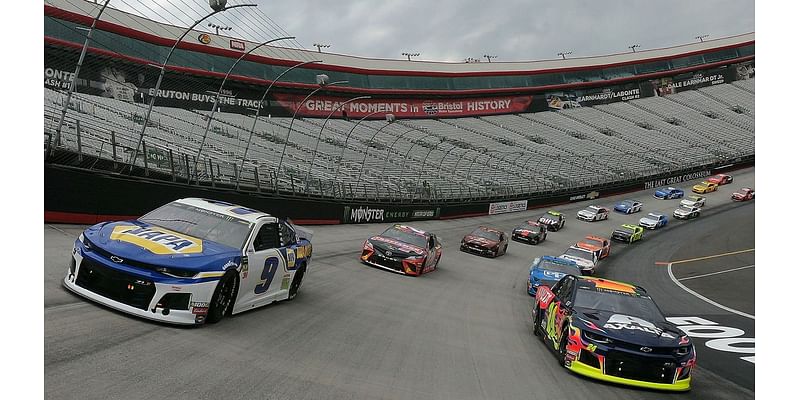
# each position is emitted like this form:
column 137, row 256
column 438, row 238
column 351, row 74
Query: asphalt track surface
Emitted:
column 461, row 332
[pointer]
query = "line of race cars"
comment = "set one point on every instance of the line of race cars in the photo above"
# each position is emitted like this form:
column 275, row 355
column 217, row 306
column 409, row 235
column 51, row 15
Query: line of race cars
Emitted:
column 194, row 261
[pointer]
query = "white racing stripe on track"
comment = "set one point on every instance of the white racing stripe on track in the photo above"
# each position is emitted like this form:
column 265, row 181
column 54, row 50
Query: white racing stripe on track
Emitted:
column 707, row 300
column 715, row 273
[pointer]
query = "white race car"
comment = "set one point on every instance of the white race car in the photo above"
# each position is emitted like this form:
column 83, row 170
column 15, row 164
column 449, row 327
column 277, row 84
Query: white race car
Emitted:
column 686, row 212
column 694, row 201
column 586, row 259
column 593, row 213
column 189, row 262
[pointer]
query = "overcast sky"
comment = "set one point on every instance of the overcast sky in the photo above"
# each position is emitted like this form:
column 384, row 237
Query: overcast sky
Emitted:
column 514, row 30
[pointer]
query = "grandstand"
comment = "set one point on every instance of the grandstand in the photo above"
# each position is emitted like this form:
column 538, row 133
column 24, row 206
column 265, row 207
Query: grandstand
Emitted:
column 411, row 158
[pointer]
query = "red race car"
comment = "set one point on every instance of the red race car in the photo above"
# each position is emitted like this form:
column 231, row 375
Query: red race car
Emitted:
column 403, row 249
column 720, row 179
column 485, row 241
column 594, row 243
column 744, row 194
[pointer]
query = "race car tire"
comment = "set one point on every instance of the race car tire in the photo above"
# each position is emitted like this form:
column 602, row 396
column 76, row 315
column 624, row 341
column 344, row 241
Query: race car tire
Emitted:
column 505, row 249
column 536, row 240
column 297, row 282
column 223, row 298
column 562, row 347
column 537, row 322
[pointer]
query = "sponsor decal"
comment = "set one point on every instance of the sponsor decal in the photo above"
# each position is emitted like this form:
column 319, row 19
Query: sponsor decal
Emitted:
column 544, row 295
column 586, row 196
column 204, row 38
column 423, row 213
column 508, row 207
column 200, row 310
column 290, row 258
column 199, row 304
column 364, row 214
column 157, row 240
column 237, row 44
column 677, row 179
column 621, row 321
column 285, row 281
column 245, row 268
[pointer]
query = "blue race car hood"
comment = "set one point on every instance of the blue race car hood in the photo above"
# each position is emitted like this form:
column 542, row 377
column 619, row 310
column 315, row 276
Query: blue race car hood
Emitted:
column 629, row 329
column 150, row 244
column 661, row 193
column 546, row 277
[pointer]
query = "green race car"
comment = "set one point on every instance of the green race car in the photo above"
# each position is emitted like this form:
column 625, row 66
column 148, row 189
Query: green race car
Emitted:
column 628, row 233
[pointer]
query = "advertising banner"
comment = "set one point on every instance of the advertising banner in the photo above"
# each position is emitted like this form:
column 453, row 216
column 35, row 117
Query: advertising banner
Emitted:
column 368, row 214
column 675, row 84
column 508, row 207
column 322, row 106
column 590, row 97
column 676, row 179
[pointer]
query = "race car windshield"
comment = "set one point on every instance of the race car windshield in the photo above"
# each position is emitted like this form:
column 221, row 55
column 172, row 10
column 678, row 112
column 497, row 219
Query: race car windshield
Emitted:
column 406, row 237
column 618, row 302
column 587, row 255
column 653, row 216
column 593, row 242
column 686, row 208
column 200, row 223
column 626, row 229
column 590, row 210
column 486, row 234
column 556, row 267
column 627, row 203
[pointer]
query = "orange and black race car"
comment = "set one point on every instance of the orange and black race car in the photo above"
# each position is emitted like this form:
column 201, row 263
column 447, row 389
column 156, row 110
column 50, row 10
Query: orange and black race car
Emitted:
column 613, row 331
column 485, row 241
column 403, row 249
column 593, row 243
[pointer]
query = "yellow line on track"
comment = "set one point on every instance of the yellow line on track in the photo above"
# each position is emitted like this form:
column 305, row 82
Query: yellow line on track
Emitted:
column 712, row 256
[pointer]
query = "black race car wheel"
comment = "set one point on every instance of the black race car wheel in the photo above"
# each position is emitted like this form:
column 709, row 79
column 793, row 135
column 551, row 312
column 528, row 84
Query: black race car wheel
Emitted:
column 505, row 248
column 537, row 322
column 222, row 301
column 297, row 282
column 562, row 347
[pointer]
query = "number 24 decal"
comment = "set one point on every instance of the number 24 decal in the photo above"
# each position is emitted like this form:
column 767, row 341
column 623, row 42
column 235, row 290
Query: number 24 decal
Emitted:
column 267, row 274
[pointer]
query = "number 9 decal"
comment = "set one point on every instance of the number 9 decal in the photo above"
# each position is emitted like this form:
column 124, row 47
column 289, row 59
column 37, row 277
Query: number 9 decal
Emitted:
column 270, row 266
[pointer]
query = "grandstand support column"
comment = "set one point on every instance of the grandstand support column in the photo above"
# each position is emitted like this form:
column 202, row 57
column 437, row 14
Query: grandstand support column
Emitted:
column 219, row 92
column 424, row 160
column 347, row 138
column 294, row 115
column 74, row 79
column 389, row 120
column 263, row 97
column 163, row 68
column 319, row 135
column 442, row 161
column 388, row 151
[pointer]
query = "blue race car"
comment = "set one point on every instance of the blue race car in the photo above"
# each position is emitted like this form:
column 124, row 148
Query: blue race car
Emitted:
column 548, row 270
column 628, row 206
column 653, row 221
column 668, row 193
column 190, row 261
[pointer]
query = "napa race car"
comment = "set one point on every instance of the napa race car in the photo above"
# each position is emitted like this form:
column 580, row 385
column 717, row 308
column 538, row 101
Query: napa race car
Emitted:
column 485, row 241
column 553, row 220
column 628, row 206
column 653, row 221
column 686, row 212
column 613, row 331
column 547, row 270
column 190, row 262
column 720, row 179
column 705, row 187
column 593, row 213
column 628, row 233
column 668, row 193
column 531, row 232
column 743, row 194
column 694, row 201
column 403, row 249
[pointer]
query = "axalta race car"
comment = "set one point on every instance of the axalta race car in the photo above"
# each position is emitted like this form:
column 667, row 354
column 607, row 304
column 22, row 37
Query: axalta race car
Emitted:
column 594, row 243
column 530, row 232
column 553, row 220
column 628, row 206
column 668, row 193
column 485, row 241
column 403, row 249
column 548, row 270
column 613, row 331
column 743, row 194
column 705, row 187
column 628, row 233
column 593, row 213
column 189, row 261
column 694, row 201
column 720, row 179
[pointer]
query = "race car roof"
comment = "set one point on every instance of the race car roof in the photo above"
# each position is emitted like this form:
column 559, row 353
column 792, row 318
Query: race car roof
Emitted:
column 606, row 285
column 229, row 209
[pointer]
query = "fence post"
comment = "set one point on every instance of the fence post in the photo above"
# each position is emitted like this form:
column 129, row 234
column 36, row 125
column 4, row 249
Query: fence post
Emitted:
column 144, row 153
column 172, row 164
column 255, row 173
column 114, row 148
column 78, row 133
column 211, row 174
column 186, row 165
column 236, row 175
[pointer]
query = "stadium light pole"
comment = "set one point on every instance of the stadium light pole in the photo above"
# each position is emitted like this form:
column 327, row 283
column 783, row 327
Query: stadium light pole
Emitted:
column 633, row 47
column 319, row 135
column 564, row 54
column 388, row 151
column 347, row 138
column 264, row 96
column 321, row 79
column 219, row 92
column 320, row 46
column 74, row 79
column 217, row 8
column 389, row 119
column 489, row 57
column 409, row 55
column 701, row 37
column 219, row 27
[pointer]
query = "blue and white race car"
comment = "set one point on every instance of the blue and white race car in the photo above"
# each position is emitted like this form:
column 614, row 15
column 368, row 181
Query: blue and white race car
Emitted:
column 548, row 270
column 188, row 262
column 668, row 193
column 653, row 221
column 628, row 206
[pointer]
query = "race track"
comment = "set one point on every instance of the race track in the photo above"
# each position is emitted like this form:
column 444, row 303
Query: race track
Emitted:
column 461, row 332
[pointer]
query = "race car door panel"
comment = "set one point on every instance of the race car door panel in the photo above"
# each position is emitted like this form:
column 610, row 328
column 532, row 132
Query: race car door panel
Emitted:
column 266, row 264
column 558, row 309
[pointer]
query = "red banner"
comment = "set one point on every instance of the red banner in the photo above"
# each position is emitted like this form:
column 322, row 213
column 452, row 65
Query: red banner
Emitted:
column 321, row 106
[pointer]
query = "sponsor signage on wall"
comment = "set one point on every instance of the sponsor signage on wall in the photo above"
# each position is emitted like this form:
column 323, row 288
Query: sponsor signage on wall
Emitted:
column 367, row 214
column 508, row 207
column 322, row 106
column 676, row 179
column 237, row 44
column 585, row 196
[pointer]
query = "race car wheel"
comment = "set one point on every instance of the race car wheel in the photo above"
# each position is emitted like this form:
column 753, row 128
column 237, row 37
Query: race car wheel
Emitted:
column 505, row 249
column 222, row 301
column 296, row 282
column 562, row 347
column 536, row 240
